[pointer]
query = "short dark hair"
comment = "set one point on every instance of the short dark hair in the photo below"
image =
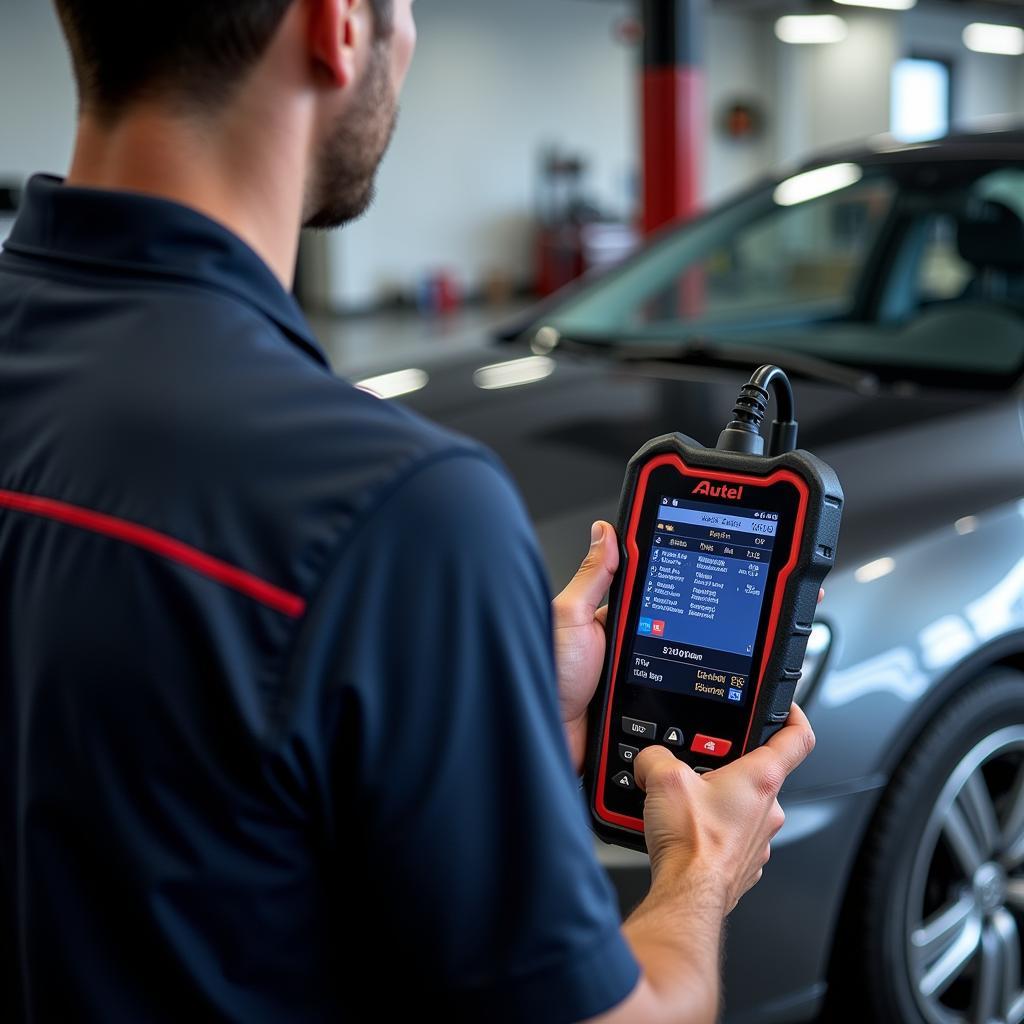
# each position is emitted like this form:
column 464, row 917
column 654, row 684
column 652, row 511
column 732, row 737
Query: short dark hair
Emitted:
column 195, row 51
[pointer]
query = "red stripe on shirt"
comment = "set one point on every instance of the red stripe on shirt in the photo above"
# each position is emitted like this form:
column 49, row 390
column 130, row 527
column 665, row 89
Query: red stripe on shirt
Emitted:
column 159, row 544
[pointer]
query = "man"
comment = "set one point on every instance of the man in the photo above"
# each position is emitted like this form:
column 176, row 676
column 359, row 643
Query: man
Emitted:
column 285, row 735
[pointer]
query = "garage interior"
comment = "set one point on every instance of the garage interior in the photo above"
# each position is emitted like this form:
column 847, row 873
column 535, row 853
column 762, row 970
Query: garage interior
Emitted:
column 596, row 217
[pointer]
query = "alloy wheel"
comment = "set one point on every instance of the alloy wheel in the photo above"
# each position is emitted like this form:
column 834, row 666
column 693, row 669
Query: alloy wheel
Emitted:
column 965, row 901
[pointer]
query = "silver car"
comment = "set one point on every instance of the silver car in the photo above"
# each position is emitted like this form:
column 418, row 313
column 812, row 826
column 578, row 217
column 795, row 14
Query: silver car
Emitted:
column 889, row 282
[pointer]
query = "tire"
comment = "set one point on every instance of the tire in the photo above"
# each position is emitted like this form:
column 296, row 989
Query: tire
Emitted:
column 936, row 917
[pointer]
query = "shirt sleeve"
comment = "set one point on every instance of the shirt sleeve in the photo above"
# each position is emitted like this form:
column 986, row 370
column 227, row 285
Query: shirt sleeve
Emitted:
column 447, row 762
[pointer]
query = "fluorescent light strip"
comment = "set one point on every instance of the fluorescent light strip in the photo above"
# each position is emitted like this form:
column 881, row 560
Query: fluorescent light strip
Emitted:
column 810, row 28
column 1006, row 40
column 817, row 183
column 884, row 5
column 874, row 570
column 514, row 373
column 392, row 385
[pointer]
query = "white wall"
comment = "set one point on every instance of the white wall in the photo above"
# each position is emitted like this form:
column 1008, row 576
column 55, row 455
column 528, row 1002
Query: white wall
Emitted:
column 849, row 98
column 740, row 60
column 492, row 83
column 831, row 94
column 37, row 104
column 984, row 84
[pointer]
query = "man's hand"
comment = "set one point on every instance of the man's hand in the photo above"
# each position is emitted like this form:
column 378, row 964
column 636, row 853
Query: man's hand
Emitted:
column 579, row 623
column 720, row 824
column 709, row 838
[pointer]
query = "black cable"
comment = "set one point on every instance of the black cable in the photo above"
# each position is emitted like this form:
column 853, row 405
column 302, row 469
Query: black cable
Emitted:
column 743, row 434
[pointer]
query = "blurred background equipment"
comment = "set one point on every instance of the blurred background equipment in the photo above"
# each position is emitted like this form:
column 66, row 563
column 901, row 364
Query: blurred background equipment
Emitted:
column 439, row 293
column 741, row 120
column 574, row 236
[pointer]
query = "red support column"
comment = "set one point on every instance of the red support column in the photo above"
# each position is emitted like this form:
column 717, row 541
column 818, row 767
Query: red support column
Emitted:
column 674, row 128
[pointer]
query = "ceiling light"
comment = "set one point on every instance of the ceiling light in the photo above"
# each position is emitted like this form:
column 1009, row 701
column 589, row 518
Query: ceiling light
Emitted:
column 514, row 373
column 885, row 5
column 1003, row 39
column 811, row 28
column 817, row 183
column 874, row 570
column 391, row 385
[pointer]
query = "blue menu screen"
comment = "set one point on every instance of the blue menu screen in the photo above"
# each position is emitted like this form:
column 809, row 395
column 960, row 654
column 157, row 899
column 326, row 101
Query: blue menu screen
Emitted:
column 707, row 572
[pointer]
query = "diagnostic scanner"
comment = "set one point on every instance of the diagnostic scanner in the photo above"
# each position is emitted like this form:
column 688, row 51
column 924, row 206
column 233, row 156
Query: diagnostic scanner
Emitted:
column 723, row 553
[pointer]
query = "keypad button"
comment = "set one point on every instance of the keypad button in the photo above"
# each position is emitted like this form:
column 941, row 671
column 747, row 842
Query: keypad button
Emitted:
column 710, row 746
column 674, row 737
column 624, row 781
column 641, row 730
column 628, row 753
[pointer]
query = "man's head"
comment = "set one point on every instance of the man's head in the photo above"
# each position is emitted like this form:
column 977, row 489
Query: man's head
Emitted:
column 198, row 58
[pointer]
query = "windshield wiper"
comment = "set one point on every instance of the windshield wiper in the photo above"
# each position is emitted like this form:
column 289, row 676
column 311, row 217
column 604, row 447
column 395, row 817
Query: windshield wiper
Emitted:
column 702, row 351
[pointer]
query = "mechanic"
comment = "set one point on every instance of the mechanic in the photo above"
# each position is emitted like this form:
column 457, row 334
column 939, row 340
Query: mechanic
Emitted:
column 289, row 725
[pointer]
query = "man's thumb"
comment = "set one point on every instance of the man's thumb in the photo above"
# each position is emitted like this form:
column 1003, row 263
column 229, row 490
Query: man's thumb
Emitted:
column 587, row 588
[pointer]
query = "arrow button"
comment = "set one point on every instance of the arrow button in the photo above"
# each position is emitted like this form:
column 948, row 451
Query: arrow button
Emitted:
column 674, row 737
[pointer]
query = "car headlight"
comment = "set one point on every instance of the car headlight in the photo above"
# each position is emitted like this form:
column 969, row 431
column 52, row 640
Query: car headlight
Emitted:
column 818, row 644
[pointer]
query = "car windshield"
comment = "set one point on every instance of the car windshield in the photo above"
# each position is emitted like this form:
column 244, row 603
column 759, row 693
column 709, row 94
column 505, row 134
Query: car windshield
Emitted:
column 911, row 267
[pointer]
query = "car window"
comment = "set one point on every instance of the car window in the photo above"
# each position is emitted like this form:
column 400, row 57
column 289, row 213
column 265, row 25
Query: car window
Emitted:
column 806, row 258
column 943, row 274
column 757, row 258
column 913, row 267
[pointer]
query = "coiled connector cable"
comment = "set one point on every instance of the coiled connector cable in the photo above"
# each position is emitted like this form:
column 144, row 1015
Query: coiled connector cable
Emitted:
column 743, row 434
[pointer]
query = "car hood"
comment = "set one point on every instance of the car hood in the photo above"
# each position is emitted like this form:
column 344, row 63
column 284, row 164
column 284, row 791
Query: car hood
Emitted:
column 909, row 460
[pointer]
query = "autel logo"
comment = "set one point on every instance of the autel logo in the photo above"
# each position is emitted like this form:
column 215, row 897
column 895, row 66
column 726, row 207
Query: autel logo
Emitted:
column 710, row 490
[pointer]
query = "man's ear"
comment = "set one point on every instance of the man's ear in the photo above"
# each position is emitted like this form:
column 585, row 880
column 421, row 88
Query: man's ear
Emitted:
column 334, row 31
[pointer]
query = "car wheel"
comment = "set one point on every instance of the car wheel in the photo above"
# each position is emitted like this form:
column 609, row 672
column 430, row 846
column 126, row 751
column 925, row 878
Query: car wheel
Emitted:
column 941, row 908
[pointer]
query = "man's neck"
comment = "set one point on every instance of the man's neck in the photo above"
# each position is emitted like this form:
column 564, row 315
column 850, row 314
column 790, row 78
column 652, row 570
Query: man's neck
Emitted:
column 250, row 185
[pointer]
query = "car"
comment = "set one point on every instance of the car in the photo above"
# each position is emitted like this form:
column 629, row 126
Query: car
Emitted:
column 888, row 280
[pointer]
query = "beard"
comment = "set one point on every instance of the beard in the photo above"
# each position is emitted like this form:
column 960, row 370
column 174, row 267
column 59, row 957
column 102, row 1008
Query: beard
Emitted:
column 344, row 178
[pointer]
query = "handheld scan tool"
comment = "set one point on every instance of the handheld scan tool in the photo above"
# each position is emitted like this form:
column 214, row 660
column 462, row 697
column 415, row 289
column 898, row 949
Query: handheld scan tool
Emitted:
column 723, row 552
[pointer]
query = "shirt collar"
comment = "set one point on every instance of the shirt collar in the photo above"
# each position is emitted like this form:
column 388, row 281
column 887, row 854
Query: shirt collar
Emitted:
column 138, row 233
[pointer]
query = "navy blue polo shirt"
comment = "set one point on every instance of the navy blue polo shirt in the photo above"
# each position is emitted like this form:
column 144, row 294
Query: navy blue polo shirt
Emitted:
column 279, row 728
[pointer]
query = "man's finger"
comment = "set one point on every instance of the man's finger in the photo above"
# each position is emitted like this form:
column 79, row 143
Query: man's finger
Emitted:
column 580, row 599
column 654, row 761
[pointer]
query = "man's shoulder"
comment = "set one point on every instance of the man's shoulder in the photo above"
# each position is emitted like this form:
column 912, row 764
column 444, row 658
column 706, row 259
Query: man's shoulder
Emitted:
column 308, row 451
column 244, row 395
column 328, row 425
column 219, row 425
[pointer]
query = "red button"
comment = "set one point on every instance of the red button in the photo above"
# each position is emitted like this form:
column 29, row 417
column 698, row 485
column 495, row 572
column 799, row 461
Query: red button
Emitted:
column 710, row 746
